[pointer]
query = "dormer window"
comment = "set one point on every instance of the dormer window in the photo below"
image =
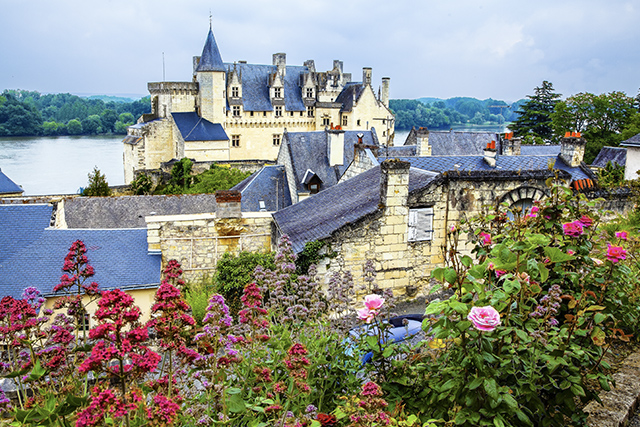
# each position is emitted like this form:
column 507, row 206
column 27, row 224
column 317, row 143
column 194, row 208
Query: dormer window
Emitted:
column 277, row 92
column 235, row 92
column 236, row 111
column 309, row 92
column 311, row 181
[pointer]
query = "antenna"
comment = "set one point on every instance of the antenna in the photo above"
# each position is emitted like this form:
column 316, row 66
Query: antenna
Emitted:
column 163, row 72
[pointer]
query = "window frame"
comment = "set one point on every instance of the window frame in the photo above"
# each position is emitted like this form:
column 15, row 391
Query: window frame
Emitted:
column 420, row 224
column 235, row 140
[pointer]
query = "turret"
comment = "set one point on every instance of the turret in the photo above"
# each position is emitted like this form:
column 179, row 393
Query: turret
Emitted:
column 210, row 75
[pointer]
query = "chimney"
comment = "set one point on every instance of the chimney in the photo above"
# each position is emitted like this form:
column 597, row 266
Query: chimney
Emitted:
column 423, row 148
column 338, row 65
column 335, row 146
column 311, row 65
column 366, row 76
column 394, row 187
column 385, row 91
column 572, row 149
column 511, row 146
column 280, row 60
column 228, row 204
column 490, row 154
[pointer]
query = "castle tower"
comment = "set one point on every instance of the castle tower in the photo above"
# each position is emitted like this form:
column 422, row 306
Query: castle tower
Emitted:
column 210, row 75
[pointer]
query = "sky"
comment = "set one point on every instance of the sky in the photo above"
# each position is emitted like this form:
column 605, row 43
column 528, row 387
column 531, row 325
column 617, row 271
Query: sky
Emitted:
column 500, row 49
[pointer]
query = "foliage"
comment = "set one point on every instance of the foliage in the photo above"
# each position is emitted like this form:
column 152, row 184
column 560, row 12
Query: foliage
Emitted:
column 181, row 173
column 312, row 254
column 611, row 176
column 215, row 178
column 98, row 185
column 197, row 294
column 535, row 114
column 142, row 185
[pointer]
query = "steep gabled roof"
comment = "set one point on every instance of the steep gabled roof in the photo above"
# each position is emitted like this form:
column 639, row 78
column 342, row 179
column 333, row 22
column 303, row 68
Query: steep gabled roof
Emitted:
column 20, row 225
column 7, row 186
column 210, row 60
column 195, row 128
column 350, row 95
column 615, row 155
column 268, row 185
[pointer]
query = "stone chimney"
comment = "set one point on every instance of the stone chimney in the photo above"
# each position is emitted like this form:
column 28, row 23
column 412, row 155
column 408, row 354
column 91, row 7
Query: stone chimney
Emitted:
column 572, row 149
column 423, row 148
column 385, row 91
column 511, row 146
column 311, row 65
column 366, row 76
column 228, row 204
column 490, row 154
column 338, row 65
column 280, row 60
column 335, row 146
column 394, row 185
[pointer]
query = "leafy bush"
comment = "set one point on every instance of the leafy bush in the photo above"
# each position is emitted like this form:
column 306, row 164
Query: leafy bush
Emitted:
column 98, row 185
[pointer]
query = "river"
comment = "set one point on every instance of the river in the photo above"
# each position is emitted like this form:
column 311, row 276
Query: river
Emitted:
column 60, row 165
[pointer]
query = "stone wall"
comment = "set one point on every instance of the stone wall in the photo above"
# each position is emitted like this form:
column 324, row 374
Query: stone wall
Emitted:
column 198, row 241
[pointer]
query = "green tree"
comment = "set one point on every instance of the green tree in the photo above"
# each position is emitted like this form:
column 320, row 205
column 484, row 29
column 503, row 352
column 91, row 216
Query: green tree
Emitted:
column 181, row 173
column 534, row 116
column 74, row 127
column 92, row 125
column 216, row 178
column 98, row 185
column 108, row 119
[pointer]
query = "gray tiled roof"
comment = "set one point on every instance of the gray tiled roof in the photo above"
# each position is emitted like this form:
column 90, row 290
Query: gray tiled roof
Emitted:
column 398, row 150
column 267, row 185
column 195, row 128
column 129, row 211
column 634, row 141
column 7, row 186
column 319, row 216
column 119, row 258
column 20, row 225
column 461, row 143
column 210, row 60
column 503, row 163
column 540, row 150
column 350, row 95
column 615, row 155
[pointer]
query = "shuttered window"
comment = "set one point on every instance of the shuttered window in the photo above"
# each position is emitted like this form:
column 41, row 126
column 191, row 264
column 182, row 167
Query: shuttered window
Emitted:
column 420, row 224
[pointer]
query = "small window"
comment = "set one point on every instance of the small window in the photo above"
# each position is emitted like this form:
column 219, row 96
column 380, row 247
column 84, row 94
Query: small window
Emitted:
column 344, row 120
column 278, row 111
column 276, row 140
column 314, row 188
column 301, row 113
column 291, row 113
column 309, row 111
column 251, row 114
column 420, row 224
column 384, row 121
column 85, row 325
column 384, row 133
column 235, row 92
column 358, row 122
column 326, row 121
column 236, row 111
column 264, row 113
column 277, row 92
column 235, row 140
column 309, row 92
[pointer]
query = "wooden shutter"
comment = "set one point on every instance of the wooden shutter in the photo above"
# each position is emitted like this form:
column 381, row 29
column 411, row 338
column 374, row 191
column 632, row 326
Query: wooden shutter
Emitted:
column 420, row 224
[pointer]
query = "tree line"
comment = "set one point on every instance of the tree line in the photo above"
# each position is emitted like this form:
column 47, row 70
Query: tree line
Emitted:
column 30, row 113
column 606, row 119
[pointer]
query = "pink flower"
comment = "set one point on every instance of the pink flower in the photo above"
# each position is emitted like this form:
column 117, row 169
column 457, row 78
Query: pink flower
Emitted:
column 586, row 221
column 622, row 235
column 373, row 302
column 533, row 212
column 484, row 318
column 573, row 229
column 570, row 252
column 616, row 253
column 485, row 238
column 500, row 273
column 366, row 315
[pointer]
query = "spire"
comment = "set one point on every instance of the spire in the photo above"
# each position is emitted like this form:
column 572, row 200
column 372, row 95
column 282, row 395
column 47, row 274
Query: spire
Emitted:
column 210, row 59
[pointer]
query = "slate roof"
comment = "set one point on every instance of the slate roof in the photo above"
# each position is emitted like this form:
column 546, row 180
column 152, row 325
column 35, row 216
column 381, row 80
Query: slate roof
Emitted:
column 319, row 216
column 119, row 258
column 540, row 150
column 268, row 184
column 454, row 143
column 503, row 163
column 255, row 86
column 634, row 141
column 398, row 150
column 129, row 211
column 7, row 186
column 195, row 128
column 210, row 60
column 20, row 225
column 615, row 155
column 308, row 151
column 350, row 95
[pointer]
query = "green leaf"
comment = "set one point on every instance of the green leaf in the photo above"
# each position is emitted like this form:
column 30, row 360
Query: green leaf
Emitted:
column 475, row 383
column 450, row 275
column 599, row 317
column 491, row 388
column 458, row 306
column 37, row 372
column 544, row 273
column 510, row 401
column 235, row 403
column 387, row 351
column 234, row 390
column 556, row 254
column 466, row 261
column 595, row 308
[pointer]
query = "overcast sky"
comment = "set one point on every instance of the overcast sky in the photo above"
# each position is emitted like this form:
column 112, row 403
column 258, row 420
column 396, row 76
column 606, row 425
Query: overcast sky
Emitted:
column 429, row 48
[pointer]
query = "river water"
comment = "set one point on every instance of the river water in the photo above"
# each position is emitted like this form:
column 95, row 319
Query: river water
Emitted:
column 60, row 165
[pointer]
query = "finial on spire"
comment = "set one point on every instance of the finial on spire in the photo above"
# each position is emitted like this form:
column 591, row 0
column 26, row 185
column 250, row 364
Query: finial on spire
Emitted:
column 210, row 16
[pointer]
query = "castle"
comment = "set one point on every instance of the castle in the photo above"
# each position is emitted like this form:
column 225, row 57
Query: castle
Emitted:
column 239, row 111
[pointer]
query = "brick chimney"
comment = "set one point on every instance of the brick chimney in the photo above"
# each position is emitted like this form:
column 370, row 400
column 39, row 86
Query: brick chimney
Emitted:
column 490, row 153
column 572, row 149
column 511, row 146
column 423, row 148
column 335, row 146
column 228, row 204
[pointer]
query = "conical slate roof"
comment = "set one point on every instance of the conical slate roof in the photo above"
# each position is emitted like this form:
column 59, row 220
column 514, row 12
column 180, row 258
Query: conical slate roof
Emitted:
column 210, row 59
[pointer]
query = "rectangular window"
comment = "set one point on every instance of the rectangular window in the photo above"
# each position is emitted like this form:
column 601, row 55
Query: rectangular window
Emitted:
column 236, row 111
column 420, row 224
column 309, row 92
column 235, row 92
column 309, row 111
column 277, row 92
column 264, row 113
column 291, row 113
column 251, row 114
column 235, row 140
column 276, row 140
column 344, row 120
column 358, row 122
column 326, row 121
column 278, row 110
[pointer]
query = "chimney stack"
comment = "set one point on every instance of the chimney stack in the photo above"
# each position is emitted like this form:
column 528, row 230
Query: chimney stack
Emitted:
column 511, row 146
column 394, row 185
column 335, row 146
column 490, row 154
column 423, row 148
column 280, row 61
column 385, row 91
column 366, row 76
column 228, row 204
column 572, row 149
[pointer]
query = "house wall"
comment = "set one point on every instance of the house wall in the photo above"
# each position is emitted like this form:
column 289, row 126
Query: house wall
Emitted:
column 157, row 146
column 198, row 241
column 371, row 113
column 632, row 166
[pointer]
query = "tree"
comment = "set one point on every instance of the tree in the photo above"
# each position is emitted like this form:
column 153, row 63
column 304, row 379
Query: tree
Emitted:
column 98, row 185
column 534, row 116
column 74, row 127
column 92, row 125
column 181, row 173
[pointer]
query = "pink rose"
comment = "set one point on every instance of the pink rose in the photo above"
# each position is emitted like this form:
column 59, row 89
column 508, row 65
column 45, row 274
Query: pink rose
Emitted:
column 373, row 302
column 615, row 253
column 484, row 318
column 586, row 221
column 622, row 235
column 485, row 238
column 573, row 229
column 366, row 315
column 500, row 273
column 533, row 212
column 570, row 252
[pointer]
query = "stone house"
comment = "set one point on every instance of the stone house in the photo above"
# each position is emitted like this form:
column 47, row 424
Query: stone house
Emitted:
column 632, row 161
column 239, row 111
